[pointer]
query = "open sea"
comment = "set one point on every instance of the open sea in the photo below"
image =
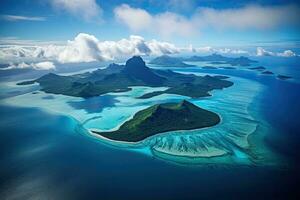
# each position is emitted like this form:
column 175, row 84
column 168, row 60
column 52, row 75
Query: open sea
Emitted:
column 46, row 151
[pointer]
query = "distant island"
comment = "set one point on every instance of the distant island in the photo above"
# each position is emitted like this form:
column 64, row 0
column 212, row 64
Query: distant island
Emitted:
column 259, row 68
column 214, row 58
column 210, row 58
column 209, row 67
column 283, row 77
column 119, row 78
column 169, row 61
column 162, row 118
column 267, row 72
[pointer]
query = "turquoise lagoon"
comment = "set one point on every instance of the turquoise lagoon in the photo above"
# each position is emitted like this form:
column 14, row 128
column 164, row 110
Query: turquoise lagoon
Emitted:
column 236, row 140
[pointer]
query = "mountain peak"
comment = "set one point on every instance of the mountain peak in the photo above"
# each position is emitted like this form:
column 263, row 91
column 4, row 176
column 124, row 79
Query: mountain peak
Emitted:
column 135, row 61
column 136, row 67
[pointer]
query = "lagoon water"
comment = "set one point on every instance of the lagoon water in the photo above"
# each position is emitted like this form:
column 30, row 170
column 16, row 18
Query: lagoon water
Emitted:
column 47, row 151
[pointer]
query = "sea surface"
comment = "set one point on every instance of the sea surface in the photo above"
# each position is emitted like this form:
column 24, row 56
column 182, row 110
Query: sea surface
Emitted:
column 47, row 151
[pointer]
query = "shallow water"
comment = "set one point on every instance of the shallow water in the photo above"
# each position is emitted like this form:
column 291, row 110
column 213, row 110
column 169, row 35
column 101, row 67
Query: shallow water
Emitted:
column 45, row 152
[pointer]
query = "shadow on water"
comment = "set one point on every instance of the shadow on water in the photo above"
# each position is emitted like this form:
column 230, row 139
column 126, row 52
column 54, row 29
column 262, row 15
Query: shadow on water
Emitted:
column 94, row 104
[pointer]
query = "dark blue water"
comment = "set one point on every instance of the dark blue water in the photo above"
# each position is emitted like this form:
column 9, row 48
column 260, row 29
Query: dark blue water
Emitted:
column 49, row 156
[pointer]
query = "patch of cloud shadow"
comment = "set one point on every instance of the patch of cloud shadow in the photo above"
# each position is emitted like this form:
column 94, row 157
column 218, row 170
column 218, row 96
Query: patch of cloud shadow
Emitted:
column 94, row 104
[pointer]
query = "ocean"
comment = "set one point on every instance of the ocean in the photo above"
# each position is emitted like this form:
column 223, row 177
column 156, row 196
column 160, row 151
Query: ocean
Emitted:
column 47, row 152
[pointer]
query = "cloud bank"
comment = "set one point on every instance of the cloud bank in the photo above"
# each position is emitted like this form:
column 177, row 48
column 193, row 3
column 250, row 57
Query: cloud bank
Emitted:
column 169, row 23
column 262, row 52
column 87, row 48
column 37, row 66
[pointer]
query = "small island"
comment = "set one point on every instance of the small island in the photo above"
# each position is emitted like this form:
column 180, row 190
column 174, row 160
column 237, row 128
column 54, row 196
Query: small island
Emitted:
column 169, row 61
column 259, row 68
column 218, row 59
column 209, row 67
column 227, row 68
column 267, row 72
column 283, row 77
column 162, row 118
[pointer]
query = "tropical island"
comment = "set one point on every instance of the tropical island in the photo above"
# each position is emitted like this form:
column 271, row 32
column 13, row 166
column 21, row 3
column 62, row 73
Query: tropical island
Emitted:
column 162, row 118
column 214, row 58
column 119, row 78
column 169, row 61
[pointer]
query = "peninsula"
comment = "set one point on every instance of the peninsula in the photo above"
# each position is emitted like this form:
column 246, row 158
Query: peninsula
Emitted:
column 162, row 118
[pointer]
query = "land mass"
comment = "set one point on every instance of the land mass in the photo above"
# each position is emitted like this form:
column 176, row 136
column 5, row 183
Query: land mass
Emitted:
column 267, row 72
column 119, row 78
column 214, row 58
column 169, row 61
column 283, row 77
column 162, row 118
column 259, row 68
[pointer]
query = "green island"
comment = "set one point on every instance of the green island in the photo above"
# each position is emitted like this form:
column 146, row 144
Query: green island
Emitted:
column 169, row 61
column 162, row 118
column 119, row 78
column 214, row 58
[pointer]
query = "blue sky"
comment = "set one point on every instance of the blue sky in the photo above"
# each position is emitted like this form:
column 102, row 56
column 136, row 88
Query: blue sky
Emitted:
column 57, row 21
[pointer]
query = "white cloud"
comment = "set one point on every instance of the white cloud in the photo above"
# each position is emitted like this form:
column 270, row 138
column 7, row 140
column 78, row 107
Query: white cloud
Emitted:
column 88, row 9
column 46, row 65
column 262, row 52
column 251, row 16
column 287, row 53
column 168, row 23
column 37, row 66
column 86, row 48
column 165, row 24
column 135, row 18
column 22, row 18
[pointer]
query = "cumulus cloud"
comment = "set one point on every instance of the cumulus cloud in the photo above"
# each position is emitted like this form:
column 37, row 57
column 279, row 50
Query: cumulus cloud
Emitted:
column 135, row 18
column 287, row 53
column 251, row 16
column 88, row 9
column 37, row 66
column 168, row 23
column 263, row 52
column 86, row 48
column 22, row 18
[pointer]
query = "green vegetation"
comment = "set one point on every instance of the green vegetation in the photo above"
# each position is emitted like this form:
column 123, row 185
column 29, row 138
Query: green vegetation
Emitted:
column 162, row 118
column 220, row 60
column 117, row 78
column 169, row 61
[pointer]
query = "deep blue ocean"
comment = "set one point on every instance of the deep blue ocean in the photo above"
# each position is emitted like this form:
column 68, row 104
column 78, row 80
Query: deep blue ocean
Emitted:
column 48, row 156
